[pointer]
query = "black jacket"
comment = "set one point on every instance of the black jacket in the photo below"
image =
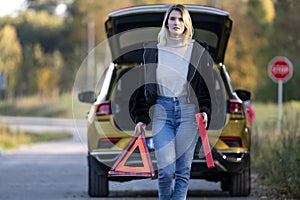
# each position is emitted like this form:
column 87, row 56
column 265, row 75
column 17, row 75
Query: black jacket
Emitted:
column 200, row 75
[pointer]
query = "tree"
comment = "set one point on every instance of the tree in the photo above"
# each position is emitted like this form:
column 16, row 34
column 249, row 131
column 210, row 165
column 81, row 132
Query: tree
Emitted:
column 42, row 34
column 10, row 56
column 258, row 25
column 240, row 53
column 47, row 5
column 286, row 42
column 283, row 40
column 25, row 82
column 262, row 12
column 40, row 27
column 48, row 71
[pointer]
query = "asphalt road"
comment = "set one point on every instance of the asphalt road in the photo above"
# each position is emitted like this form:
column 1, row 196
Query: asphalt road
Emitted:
column 58, row 170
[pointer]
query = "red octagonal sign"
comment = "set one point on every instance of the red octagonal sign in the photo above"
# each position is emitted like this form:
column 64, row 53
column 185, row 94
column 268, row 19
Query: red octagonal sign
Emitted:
column 280, row 69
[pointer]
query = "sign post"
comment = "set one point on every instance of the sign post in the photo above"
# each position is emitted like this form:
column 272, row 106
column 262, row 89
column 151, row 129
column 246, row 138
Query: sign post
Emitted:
column 3, row 84
column 280, row 70
column 3, row 81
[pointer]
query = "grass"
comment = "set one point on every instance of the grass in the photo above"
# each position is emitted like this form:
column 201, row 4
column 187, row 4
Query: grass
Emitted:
column 48, row 136
column 275, row 153
column 12, row 139
column 37, row 106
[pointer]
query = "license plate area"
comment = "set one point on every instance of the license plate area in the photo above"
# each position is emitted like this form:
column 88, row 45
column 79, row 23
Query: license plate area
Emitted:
column 150, row 144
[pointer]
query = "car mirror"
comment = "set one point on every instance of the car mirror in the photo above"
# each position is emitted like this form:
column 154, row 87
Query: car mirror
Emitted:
column 87, row 97
column 244, row 95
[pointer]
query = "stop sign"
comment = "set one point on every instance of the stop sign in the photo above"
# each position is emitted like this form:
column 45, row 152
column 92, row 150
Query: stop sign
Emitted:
column 280, row 69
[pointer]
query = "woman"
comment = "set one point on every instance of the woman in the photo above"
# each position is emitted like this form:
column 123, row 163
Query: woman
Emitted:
column 175, row 87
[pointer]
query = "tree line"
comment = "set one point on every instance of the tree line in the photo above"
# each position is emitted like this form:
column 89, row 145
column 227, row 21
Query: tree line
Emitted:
column 40, row 52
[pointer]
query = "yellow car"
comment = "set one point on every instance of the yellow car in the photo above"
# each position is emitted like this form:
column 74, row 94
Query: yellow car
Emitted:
column 110, row 127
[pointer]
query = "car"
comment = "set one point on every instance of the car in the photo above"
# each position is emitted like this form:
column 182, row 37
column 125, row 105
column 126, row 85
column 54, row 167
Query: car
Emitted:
column 110, row 127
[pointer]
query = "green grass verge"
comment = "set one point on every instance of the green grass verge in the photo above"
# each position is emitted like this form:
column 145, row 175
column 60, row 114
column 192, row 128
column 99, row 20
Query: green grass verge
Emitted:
column 48, row 136
column 64, row 106
column 12, row 139
column 37, row 106
column 275, row 153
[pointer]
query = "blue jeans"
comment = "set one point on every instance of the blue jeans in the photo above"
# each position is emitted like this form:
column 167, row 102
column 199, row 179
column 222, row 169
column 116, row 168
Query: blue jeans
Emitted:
column 175, row 134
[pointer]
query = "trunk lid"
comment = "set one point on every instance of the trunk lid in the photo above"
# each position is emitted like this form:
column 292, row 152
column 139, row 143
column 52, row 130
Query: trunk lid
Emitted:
column 129, row 28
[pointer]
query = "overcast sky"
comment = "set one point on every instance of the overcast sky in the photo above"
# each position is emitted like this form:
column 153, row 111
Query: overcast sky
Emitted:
column 11, row 7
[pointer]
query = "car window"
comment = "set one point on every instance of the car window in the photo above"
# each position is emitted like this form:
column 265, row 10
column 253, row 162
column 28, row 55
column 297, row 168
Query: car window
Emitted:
column 135, row 36
column 123, row 87
column 129, row 38
column 206, row 36
column 104, row 83
column 219, row 115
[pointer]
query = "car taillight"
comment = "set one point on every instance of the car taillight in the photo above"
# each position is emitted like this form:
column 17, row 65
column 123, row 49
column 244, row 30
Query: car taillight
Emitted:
column 103, row 108
column 113, row 140
column 235, row 107
column 108, row 142
column 232, row 141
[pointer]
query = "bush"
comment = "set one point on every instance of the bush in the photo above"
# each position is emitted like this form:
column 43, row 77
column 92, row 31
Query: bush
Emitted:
column 10, row 139
column 275, row 154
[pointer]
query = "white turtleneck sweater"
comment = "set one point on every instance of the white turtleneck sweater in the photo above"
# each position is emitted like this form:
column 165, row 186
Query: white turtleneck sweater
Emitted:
column 172, row 70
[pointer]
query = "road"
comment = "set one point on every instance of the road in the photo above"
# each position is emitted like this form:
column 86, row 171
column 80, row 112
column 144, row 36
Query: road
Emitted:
column 58, row 170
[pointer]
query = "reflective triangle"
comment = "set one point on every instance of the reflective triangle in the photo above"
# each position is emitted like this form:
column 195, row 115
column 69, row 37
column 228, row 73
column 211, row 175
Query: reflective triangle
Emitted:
column 205, row 143
column 124, row 165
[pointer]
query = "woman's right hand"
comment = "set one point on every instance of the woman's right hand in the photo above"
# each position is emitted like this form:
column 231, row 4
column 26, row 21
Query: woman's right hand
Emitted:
column 139, row 127
column 205, row 118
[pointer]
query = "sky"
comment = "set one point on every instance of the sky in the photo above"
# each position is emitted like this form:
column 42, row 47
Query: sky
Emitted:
column 11, row 7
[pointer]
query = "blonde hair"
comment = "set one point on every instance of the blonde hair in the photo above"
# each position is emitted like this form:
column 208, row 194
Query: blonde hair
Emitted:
column 189, row 30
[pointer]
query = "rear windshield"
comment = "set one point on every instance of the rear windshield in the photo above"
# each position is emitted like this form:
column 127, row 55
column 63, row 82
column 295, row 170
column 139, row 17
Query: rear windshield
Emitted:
column 125, row 84
column 150, row 34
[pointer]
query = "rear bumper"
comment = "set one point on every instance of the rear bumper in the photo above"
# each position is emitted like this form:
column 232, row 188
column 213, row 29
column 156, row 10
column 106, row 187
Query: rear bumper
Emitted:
column 225, row 162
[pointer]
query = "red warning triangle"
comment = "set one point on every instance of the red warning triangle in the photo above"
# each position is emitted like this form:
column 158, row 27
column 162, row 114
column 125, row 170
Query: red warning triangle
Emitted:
column 205, row 143
column 137, row 145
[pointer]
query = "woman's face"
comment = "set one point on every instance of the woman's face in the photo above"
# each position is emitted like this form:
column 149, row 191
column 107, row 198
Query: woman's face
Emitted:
column 175, row 23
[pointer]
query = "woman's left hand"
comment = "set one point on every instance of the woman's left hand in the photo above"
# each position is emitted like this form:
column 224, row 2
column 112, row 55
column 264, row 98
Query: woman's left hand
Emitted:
column 139, row 127
column 205, row 118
